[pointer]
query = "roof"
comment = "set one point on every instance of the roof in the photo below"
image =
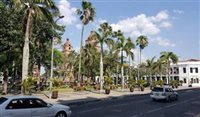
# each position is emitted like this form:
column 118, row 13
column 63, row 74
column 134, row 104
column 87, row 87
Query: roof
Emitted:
column 191, row 60
column 19, row 96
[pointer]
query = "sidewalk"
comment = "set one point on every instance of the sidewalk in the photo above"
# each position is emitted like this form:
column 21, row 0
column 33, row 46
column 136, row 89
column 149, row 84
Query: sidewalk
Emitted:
column 82, row 97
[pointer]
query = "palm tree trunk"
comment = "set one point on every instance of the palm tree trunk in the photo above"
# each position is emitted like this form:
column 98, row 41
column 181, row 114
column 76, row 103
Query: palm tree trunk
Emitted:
column 168, row 67
column 139, row 65
column 80, row 57
column 122, row 70
column 25, row 60
column 5, row 80
column 101, row 69
column 150, row 77
column 129, row 66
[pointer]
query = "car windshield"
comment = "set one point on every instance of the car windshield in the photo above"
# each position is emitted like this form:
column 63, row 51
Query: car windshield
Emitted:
column 158, row 89
column 2, row 100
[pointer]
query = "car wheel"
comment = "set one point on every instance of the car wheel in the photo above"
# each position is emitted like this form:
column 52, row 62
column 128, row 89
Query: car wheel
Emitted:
column 153, row 99
column 61, row 114
column 168, row 99
column 176, row 97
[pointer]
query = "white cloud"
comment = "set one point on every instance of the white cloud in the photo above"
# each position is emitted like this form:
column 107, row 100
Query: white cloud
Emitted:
column 102, row 21
column 142, row 24
column 137, row 58
column 97, row 22
column 166, row 24
column 79, row 26
column 162, row 15
column 162, row 42
column 67, row 11
column 178, row 11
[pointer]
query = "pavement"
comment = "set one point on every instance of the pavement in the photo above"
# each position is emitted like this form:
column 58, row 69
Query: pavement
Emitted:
column 83, row 97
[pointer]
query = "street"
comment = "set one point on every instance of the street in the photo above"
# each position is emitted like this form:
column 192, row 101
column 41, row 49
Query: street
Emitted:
column 142, row 106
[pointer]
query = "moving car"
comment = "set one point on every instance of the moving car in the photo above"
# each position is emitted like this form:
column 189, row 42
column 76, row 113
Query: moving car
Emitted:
column 166, row 93
column 30, row 106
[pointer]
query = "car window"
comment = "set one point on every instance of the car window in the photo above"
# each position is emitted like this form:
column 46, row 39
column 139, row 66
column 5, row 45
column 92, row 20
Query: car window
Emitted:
column 158, row 89
column 37, row 103
column 167, row 90
column 2, row 100
column 16, row 104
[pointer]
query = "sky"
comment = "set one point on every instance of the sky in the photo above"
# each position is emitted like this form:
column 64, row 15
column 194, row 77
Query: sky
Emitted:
column 170, row 25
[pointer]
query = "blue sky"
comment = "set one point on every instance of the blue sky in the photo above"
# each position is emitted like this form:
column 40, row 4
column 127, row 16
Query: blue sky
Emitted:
column 170, row 25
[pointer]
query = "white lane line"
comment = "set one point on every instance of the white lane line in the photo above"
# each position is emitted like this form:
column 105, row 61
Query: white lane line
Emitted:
column 146, row 100
column 170, row 105
column 135, row 102
column 134, row 116
column 157, row 109
column 124, row 104
column 86, row 111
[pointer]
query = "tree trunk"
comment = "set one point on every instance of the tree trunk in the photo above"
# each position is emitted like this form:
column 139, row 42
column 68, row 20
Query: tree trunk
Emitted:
column 25, row 60
column 139, row 65
column 80, row 57
column 101, row 69
column 5, row 81
column 122, row 70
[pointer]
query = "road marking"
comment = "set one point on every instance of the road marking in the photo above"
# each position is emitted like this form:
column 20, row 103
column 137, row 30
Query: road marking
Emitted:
column 146, row 100
column 136, row 102
column 189, row 91
column 86, row 111
column 170, row 105
column 157, row 109
column 134, row 116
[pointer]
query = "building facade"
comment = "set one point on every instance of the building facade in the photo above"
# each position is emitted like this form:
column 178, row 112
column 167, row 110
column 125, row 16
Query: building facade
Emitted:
column 187, row 71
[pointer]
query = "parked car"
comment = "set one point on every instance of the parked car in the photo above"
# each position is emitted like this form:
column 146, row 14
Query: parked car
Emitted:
column 30, row 106
column 166, row 93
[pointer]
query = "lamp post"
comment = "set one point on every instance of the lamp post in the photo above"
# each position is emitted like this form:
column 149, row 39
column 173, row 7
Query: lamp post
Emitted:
column 52, row 47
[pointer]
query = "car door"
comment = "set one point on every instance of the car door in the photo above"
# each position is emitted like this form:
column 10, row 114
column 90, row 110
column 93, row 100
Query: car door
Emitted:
column 173, row 95
column 39, row 108
column 16, row 108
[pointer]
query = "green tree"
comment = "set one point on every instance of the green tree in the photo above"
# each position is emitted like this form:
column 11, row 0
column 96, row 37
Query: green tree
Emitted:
column 150, row 64
column 34, row 9
column 167, row 58
column 123, row 45
column 142, row 42
column 89, row 53
column 103, row 35
column 87, row 14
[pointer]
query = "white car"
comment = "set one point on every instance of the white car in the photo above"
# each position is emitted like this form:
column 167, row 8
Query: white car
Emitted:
column 166, row 93
column 29, row 106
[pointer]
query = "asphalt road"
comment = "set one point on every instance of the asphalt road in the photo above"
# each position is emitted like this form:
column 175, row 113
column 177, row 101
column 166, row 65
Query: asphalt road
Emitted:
column 188, row 105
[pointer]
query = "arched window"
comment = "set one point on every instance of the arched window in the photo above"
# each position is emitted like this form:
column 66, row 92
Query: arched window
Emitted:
column 197, row 79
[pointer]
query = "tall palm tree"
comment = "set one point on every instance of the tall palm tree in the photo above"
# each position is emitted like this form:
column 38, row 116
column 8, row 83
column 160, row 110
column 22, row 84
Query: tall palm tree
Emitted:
column 158, row 67
column 34, row 9
column 149, row 64
column 103, row 36
column 87, row 14
column 123, row 45
column 89, row 52
column 142, row 42
column 168, row 57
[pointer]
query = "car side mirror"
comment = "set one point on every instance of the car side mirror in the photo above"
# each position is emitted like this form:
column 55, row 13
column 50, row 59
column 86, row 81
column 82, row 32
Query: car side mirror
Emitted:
column 49, row 105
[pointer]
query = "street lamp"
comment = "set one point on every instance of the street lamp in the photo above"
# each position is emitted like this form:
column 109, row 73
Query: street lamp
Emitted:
column 52, row 42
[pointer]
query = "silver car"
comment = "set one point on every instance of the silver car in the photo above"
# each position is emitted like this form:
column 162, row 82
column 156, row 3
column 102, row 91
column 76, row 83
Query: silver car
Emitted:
column 29, row 106
column 166, row 93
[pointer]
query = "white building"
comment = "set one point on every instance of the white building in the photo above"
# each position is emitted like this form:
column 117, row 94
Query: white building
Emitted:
column 188, row 71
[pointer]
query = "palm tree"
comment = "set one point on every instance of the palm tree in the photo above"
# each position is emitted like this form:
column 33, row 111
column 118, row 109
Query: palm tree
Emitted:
column 123, row 45
column 103, row 36
column 35, row 9
column 158, row 67
column 149, row 65
column 142, row 42
column 89, row 52
column 86, row 15
column 168, row 57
